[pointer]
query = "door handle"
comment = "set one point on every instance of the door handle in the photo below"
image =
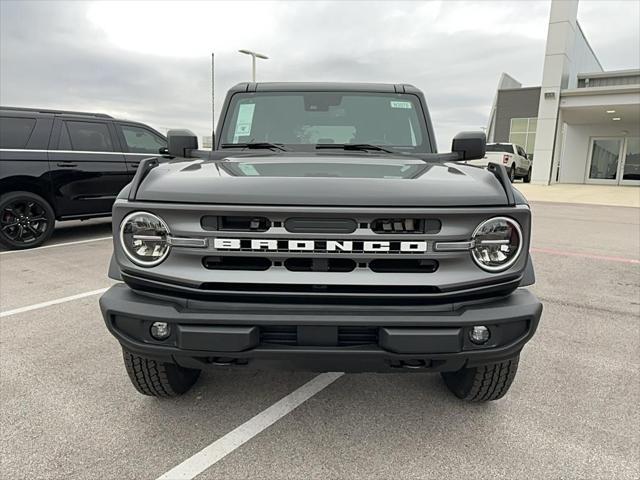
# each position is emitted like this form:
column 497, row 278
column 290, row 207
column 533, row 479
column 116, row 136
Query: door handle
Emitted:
column 135, row 165
column 67, row 164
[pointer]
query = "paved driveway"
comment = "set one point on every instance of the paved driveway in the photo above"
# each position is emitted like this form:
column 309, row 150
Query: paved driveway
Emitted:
column 68, row 411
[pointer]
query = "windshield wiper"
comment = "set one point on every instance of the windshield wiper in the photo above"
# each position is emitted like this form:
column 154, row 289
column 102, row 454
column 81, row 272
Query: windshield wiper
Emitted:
column 256, row 146
column 355, row 146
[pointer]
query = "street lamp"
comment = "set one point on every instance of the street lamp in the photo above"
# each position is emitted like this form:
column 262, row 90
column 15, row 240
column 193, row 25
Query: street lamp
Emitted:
column 254, row 55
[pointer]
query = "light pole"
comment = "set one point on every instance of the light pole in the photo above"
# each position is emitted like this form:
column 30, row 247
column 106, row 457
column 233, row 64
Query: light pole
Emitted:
column 254, row 55
column 213, row 102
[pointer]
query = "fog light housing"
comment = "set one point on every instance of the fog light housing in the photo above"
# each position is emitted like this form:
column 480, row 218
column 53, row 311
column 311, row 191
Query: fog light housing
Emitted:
column 160, row 330
column 479, row 334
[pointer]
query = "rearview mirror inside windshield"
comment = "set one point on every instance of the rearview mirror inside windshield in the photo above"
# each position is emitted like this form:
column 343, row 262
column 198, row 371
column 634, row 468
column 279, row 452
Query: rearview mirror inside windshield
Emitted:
column 321, row 101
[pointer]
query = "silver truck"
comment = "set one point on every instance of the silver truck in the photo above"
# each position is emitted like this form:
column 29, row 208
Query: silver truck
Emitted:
column 323, row 232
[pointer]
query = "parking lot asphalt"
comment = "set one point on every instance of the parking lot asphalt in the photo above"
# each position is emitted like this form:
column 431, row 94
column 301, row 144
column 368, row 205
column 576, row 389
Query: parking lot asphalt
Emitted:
column 67, row 409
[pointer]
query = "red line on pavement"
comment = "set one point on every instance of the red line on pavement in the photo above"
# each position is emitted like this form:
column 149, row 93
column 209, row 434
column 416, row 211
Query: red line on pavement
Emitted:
column 552, row 251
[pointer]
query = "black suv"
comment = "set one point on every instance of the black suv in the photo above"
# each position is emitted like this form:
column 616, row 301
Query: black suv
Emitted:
column 60, row 165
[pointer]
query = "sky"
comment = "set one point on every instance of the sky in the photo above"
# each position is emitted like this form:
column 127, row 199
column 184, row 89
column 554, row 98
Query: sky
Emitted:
column 151, row 61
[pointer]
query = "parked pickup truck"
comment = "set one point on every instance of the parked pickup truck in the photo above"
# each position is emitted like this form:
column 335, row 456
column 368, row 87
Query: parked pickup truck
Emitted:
column 324, row 232
column 512, row 156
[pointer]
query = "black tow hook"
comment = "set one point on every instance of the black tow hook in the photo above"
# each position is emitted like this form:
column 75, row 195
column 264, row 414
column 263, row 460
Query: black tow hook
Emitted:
column 413, row 364
column 226, row 361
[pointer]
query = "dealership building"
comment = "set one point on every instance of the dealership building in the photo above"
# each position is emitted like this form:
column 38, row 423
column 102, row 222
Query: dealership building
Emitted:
column 582, row 125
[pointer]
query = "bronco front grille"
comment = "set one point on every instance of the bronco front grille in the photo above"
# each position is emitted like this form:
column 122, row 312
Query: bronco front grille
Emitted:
column 321, row 244
column 325, row 255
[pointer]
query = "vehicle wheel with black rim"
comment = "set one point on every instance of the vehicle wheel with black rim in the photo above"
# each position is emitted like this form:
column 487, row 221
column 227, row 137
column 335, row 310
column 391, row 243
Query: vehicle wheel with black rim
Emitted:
column 158, row 379
column 26, row 220
column 483, row 383
column 527, row 178
column 512, row 173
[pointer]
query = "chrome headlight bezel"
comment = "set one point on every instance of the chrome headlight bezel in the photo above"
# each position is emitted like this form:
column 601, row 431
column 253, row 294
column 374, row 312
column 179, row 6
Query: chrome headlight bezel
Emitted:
column 125, row 248
column 509, row 263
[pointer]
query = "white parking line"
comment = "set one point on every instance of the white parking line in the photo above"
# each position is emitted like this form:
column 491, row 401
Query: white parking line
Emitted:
column 28, row 308
column 222, row 447
column 57, row 245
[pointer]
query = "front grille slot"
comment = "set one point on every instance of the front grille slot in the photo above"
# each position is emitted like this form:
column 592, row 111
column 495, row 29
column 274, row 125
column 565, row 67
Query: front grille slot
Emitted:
column 279, row 334
column 406, row 225
column 403, row 265
column 347, row 336
column 236, row 263
column 353, row 336
column 235, row 223
column 320, row 264
column 284, row 288
column 320, row 225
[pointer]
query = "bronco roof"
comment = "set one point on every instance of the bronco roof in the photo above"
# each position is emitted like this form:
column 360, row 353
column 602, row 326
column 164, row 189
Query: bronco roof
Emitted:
column 324, row 87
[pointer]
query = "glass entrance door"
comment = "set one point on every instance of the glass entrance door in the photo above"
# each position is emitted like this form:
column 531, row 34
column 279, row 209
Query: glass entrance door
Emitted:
column 605, row 160
column 630, row 171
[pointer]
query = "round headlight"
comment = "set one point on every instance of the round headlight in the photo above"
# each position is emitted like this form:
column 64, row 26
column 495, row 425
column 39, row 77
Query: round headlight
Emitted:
column 498, row 243
column 144, row 238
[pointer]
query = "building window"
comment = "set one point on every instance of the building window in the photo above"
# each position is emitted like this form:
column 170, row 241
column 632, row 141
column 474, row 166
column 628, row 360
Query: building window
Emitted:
column 523, row 133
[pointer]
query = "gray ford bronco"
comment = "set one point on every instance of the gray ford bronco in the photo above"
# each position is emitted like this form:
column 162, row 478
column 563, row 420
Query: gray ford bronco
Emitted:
column 323, row 232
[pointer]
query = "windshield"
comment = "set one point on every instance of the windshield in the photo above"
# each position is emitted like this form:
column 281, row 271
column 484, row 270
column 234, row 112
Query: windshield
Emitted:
column 500, row 147
column 312, row 118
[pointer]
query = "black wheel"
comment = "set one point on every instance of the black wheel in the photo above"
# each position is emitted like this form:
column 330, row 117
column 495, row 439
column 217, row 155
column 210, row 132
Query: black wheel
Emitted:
column 512, row 173
column 484, row 383
column 527, row 178
column 158, row 379
column 26, row 220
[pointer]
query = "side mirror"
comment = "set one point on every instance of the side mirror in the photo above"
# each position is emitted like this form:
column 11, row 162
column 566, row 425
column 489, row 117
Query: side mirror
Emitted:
column 179, row 142
column 163, row 151
column 469, row 145
column 529, row 156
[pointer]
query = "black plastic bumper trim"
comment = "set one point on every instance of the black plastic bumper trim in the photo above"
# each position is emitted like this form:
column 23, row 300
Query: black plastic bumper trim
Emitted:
column 421, row 340
column 217, row 338
column 520, row 307
column 284, row 293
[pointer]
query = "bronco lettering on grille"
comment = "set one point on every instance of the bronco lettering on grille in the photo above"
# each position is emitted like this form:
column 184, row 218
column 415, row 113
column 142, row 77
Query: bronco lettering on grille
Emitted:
column 261, row 245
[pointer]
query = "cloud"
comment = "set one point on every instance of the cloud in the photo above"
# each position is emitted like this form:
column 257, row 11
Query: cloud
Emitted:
column 612, row 28
column 151, row 61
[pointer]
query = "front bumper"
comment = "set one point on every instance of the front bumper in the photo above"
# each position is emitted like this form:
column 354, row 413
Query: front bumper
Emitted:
column 321, row 337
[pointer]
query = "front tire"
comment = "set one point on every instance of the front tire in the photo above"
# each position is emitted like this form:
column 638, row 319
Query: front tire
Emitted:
column 483, row 383
column 527, row 178
column 158, row 379
column 26, row 220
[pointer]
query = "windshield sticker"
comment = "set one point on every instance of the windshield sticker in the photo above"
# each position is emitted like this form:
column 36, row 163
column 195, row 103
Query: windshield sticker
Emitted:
column 248, row 169
column 397, row 104
column 245, row 118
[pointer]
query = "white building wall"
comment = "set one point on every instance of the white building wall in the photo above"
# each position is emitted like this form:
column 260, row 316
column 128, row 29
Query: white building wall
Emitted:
column 577, row 142
column 567, row 54
column 555, row 77
column 583, row 60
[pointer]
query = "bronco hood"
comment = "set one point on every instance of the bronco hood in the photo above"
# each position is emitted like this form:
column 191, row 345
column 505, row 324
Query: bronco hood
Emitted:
column 313, row 179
